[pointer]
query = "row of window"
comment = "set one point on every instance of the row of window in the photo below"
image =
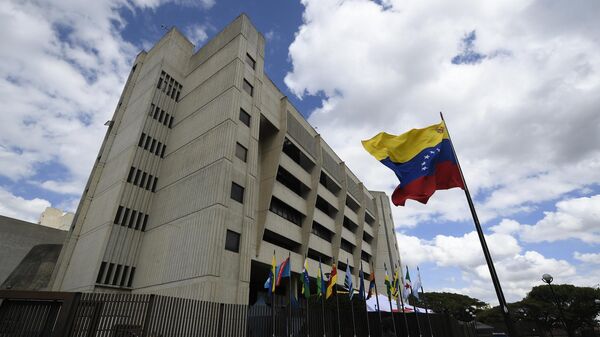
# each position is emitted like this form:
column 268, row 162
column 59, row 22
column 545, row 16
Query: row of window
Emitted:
column 152, row 145
column 168, row 85
column 142, row 179
column 285, row 211
column 116, row 274
column 161, row 116
column 131, row 218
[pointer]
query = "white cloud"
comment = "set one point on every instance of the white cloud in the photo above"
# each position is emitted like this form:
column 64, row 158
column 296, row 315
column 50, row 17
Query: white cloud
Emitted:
column 524, row 122
column 64, row 64
column 518, row 271
column 20, row 208
column 577, row 218
column 592, row 258
column 197, row 34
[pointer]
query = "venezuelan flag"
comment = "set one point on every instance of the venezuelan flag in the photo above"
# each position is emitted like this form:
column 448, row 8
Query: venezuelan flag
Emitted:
column 331, row 282
column 422, row 159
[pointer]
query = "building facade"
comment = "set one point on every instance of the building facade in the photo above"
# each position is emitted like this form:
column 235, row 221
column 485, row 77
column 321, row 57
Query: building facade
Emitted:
column 205, row 172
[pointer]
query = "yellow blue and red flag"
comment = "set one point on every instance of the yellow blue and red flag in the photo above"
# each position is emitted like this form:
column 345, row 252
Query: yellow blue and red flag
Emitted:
column 283, row 271
column 422, row 159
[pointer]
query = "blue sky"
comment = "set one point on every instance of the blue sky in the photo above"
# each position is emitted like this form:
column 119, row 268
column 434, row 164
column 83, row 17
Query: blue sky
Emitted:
column 517, row 82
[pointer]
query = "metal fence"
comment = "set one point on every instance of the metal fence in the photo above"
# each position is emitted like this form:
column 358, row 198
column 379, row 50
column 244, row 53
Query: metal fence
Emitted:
column 56, row 314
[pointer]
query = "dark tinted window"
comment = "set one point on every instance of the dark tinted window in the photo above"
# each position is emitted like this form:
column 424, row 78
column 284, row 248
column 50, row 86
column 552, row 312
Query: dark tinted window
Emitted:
column 232, row 241
column 244, row 117
column 237, row 192
column 248, row 88
column 241, row 152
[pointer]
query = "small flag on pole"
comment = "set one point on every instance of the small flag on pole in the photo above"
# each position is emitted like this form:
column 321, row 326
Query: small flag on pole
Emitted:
column 371, row 284
column 332, row 281
column 407, row 284
column 270, row 283
column 348, row 281
column 284, row 270
column 395, row 284
column 305, row 280
column 388, row 285
column 417, row 285
column 321, row 286
column 361, row 286
column 422, row 159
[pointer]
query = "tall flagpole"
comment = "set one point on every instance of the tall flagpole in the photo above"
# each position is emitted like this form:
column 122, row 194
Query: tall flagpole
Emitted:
column 364, row 297
column 290, row 291
column 425, row 302
column 273, row 294
column 400, row 293
column 320, row 278
column 488, row 258
column 377, row 300
column 350, row 295
column 391, row 309
column 307, row 298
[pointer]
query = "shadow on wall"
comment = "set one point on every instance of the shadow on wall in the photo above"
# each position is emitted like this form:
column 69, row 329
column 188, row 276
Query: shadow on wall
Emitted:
column 35, row 270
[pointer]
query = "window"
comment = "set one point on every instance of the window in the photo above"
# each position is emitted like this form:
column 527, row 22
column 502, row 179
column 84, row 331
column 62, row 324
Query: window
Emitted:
column 111, row 266
column 161, row 116
column 148, row 140
column 347, row 246
column 232, row 241
column 139, row 221
column 116, row 277
column 101, row 272
column 125, row 270
column 118, row 216
column 245, row 117
column 153, row 145
column 151, row 109
column 241, row 152
column 250, row 61
column 125, row 216
column 154, row 184
column 142, row 137
column 237, row 192
column 171, row 122
column 157, row 152
column 248, row 88
column 149, row 183
column 162, row 153
column 130, row 282
column 132, row 219
column 166, row 119
column 322, row 232
column 144, row 174
column 145, row 222
column 285, row 211
column 137, row 176
column 130, row 175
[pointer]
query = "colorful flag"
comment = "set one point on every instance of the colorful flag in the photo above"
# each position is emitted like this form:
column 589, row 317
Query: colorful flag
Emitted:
column 395, row 284
column 320, row 281
column 417, row 285
column 332, row 281
column 371, row 284
column 348, row 281
column 407, row 284
column 284, row 270
column 423, row 160
column 388, row 285
column 305, row 280
column 270, row 283
column 361, row 286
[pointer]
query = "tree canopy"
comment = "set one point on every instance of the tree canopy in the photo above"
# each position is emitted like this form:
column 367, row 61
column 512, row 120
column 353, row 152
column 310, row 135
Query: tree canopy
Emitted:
column 454, row 304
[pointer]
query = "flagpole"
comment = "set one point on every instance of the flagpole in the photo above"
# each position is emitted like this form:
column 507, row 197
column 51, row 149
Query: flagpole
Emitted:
column 350, row 295
column 273, row 294
column 289, row 328
column 424, row 302
column 364, row 297
column 416, row 318
column 400, row 293
column 391, row 309
column 488, row 258
column 307, row 298
column 337, row 305
column 377, row 300
column 320, row 279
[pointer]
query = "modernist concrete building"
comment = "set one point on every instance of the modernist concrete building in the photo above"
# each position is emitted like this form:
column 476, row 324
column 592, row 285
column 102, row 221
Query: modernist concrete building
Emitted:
column 206, row 170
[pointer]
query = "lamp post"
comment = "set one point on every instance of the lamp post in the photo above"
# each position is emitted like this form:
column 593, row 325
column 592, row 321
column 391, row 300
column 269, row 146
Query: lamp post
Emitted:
column 547, row 278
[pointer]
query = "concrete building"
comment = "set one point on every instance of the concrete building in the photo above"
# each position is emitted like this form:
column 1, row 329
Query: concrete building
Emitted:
column 205, row 172
column 55, row 218
column 19, row 238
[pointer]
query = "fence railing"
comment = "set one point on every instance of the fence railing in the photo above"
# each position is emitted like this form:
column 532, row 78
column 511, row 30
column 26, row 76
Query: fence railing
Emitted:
column 57, row 314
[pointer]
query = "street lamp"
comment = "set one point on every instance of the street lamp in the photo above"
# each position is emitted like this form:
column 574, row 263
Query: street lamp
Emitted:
column 547, row 278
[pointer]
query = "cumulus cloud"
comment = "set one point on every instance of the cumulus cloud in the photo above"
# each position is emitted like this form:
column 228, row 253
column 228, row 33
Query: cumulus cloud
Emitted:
column 592, row 258
column 64, row 64
column 518, row 270
column 577, row 218
column 523, row 119
column 17, row 207
column 197, row 34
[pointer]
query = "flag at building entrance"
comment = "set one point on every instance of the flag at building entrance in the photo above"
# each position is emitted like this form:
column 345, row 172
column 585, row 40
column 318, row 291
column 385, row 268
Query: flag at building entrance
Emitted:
column 407, row 284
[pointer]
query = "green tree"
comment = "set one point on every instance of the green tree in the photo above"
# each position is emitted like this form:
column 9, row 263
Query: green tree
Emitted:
column 454, row 304
column 577, row 306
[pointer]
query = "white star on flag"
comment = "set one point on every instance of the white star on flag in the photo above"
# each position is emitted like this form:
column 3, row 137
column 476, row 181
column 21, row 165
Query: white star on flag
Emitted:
column 427, row 157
